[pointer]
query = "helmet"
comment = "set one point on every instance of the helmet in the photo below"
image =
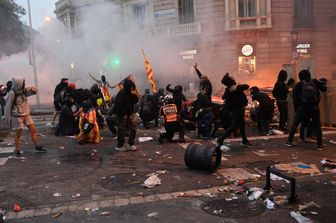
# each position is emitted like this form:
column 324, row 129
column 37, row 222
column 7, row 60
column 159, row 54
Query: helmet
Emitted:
column 168, row 99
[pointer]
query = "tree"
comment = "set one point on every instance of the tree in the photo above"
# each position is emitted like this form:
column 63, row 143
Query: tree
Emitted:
column 12, row 35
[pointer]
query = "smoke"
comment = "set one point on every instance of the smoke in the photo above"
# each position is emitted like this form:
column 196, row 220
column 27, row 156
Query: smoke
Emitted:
column 103, row 43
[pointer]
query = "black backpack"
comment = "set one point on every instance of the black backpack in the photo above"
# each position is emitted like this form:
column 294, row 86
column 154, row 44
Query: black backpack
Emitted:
column 310, row 93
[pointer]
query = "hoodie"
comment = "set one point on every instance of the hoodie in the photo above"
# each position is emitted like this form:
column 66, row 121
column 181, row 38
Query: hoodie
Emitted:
column 125, row 100
column 280, row 89
column 17, row 104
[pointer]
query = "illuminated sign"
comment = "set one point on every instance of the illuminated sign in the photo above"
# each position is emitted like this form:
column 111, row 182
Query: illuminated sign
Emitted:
column 247, row 50
column 302, row 48
column 188, row 54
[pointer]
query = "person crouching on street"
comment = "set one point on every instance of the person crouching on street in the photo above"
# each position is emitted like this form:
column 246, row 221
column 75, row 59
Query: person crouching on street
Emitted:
column 17, row 113
column 124, row 109
column 171, row 120
column 88, row 126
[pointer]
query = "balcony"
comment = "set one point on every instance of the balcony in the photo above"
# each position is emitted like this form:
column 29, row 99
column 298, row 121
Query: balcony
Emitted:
column 245, row 23
column 304, row 21
column 184, row 29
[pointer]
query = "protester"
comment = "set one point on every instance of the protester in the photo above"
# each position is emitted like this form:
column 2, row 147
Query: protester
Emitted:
column 18, row 113
column 147, row 109
column 68, row 122
column 280, row 93
column 170, row 119
column 88, row 126
column 204, row 115
column 59, row 94
column 3, row 92
column 264, row 111
column 308, row 106
column 179, row 99
column 124, row 109
column 235, row 99
column 158, row 102
column 205, row 86
column 104, row 87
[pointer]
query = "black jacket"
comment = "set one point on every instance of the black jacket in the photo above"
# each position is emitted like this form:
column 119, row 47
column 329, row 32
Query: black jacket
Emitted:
column 205, row 84
column 264, row 100
column 178, row 96
column 235, row 97
column 125, row 100
column 280, row 89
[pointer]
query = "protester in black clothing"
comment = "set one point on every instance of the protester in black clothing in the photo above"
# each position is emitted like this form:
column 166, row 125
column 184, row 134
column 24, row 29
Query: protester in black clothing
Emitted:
column 204, row 115
column 280, row 93
column 265, row 110
column 68, row 123
column 205, row 86
column 158, row 102
column 59, row 97
column 235, row 99
column 124, row 109
column 178, row 98
column 308, row 106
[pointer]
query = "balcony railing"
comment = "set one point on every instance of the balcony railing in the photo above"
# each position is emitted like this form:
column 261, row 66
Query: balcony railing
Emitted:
column 304, row 21
column 242, row 23
column 184, row 29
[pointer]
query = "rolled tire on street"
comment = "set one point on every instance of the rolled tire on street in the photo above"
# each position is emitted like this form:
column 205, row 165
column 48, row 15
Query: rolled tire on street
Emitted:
column 203, row 157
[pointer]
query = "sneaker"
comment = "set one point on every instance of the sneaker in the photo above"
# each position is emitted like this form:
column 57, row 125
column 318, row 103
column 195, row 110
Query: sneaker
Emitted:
column 246, row 144
column 131, row 148
column 121, row 148
column 288, row 144
column 320, row 148
column 39, row 149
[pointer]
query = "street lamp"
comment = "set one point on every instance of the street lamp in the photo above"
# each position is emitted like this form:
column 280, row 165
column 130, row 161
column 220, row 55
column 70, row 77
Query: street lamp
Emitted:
column 72, row 67
column 32, row 45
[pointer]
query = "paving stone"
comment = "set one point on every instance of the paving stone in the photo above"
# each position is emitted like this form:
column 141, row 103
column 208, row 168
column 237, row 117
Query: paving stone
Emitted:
column 11, row 215
column 166, row 196
column 91, row 205
column 151, row 198
column 121, row 202
column 137, row 200
column 26, row 214
column 106, row 203
column 42, row 211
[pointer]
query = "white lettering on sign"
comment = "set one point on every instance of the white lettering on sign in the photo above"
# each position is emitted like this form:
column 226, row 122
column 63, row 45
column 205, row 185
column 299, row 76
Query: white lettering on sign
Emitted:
column 247, row 50
column 188, row 54
column 303, row 48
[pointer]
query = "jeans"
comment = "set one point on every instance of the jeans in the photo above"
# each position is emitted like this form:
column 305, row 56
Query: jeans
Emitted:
column 283, row 110
column 124, row 123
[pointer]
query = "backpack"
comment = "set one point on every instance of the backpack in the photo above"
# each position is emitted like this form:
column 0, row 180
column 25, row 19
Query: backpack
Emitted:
column 310, row 93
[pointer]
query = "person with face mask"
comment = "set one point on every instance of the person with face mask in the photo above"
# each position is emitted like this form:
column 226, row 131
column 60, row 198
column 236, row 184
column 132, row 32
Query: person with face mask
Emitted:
column 124, row 109
column 68, row 123
column 17, row 113
column 104, row 87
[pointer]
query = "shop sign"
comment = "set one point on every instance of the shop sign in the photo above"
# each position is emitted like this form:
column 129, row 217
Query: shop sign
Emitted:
column 247, row 50
column 188, row 54
column 303, row 49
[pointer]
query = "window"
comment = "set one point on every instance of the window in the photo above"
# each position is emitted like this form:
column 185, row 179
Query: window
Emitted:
column 248, row 14
column 247, row 8
column 304, row 15
column 137, row 14
column 186, row 11
column 247, row 65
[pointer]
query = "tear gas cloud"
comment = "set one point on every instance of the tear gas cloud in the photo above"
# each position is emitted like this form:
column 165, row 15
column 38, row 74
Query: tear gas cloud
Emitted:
column 102, row 45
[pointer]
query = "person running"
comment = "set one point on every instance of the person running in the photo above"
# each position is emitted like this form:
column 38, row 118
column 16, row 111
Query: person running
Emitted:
column 280, row 93
column 59, row 98
column 17, row 114
column 124, row 109
column 235, row 99
column 309, row 107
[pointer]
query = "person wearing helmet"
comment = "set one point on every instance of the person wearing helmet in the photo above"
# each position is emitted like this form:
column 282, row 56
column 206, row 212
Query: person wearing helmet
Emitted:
column 171, row 120
column 158, row 99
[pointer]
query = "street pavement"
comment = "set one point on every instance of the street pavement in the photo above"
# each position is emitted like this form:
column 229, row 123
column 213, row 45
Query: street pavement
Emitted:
column 79, row 182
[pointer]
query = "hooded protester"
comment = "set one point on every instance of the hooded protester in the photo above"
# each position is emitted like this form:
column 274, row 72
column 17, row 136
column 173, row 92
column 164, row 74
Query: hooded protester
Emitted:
column 88, row 126
column 68, row 123
column 205, row 86
column 307, row 98
column 59, row 95
column 18, row 113
column 124, row 109
column 265, row 110
column 147, row 108
column 280, row 93
column 235, row 100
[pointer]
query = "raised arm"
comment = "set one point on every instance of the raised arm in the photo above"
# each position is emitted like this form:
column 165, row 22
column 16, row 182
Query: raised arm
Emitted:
column 93, row 78
column 197, row 71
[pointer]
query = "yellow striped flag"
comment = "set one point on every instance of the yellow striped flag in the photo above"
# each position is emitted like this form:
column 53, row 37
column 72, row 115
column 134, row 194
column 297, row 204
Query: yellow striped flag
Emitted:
column 149, row 72
column 129, row 77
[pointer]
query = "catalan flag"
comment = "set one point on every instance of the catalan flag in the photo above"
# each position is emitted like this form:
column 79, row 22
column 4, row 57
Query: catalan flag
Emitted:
column 129, row 77
column 149, row 72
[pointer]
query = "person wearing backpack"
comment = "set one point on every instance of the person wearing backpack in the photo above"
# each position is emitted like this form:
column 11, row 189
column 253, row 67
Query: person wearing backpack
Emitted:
column 280, row 93
column 235, row 100
column 58, row 97
column 17, row 113
column 307, row 98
